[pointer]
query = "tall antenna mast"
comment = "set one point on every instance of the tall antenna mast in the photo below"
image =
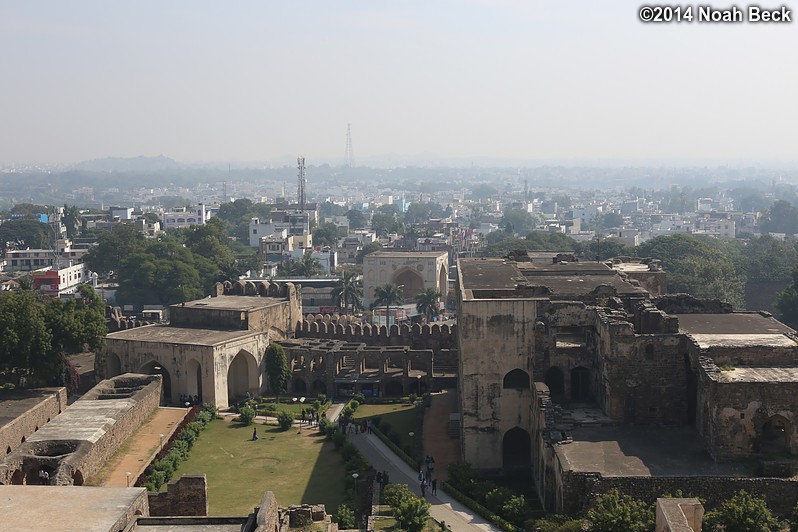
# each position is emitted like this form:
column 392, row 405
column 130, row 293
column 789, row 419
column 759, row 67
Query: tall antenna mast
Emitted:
column 300, row 161
column 349, row 157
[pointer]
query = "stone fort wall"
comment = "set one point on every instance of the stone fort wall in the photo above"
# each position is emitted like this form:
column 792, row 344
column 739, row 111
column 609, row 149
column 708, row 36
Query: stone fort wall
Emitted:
column 187, row 496
column 77, row 443
column 18, row 430
column 581, row 489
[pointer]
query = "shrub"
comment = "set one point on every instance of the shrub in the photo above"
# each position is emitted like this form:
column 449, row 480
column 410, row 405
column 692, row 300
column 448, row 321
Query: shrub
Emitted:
column 359, row 397
column 246, row 415
column 211, row 409
column 496, row 497
column 188, row 437
column 321, row 398
column 412, row 398
column 394, row 494
column 555, row 523
column 348, row 451
column 744, row 512
column 614, row 511
column 339, row 439
column 345, row 517
column 460, row 474
column 514, row 509
column 285, row 420
column 411, row 514
column 353, row 404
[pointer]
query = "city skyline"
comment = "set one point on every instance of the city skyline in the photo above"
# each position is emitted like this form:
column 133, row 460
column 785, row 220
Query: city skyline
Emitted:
column 479, row 81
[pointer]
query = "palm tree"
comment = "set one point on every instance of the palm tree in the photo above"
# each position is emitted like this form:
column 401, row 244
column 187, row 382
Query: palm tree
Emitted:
column 427, row 303
column 387, row 294
column 308, row 266
column 348, row 291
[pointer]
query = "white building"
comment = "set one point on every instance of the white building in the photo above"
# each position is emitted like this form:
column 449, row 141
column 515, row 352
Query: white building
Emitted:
column 182, row 218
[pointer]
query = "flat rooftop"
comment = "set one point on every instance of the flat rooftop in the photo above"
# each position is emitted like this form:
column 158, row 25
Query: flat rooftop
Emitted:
column 84, row 420
column 402, row 254
column 14, row 403
column 737, row 329
column 641, row 451
column 242, row 303
column 732, row 323
column 754, row 374
column 489, row 274
column 161, row 333
column 84, row 508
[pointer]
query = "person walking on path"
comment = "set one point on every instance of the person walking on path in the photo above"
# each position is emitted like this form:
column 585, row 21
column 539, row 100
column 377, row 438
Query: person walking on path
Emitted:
column 434, row 486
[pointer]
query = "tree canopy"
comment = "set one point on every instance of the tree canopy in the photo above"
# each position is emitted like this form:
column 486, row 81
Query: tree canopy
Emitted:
column 37, row 334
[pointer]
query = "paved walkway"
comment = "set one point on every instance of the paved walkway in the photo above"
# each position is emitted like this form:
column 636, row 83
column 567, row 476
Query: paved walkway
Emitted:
column 140, row 448
column 444, row 508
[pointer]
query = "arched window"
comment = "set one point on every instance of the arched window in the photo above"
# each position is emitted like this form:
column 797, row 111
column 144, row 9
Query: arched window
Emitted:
column 517, row 379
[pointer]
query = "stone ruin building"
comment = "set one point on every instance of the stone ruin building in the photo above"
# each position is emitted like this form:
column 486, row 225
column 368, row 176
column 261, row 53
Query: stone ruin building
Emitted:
column 213, row 349
column 575, row 372
column 73, row 443
column 76, row 442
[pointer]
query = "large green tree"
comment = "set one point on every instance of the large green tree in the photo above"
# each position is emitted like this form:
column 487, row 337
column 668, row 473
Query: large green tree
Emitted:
column 113, row 247
column 37, row 334
column 613, row 512
column 744, row 512
column 702, row 268
column 277, row 370
column 32, row 233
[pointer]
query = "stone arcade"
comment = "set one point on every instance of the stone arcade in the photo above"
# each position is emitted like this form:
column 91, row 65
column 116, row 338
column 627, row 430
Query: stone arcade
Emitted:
column 572, row 370
column 212, row 349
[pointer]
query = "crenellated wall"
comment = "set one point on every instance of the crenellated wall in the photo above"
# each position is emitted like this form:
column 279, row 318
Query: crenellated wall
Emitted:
column 435, row 336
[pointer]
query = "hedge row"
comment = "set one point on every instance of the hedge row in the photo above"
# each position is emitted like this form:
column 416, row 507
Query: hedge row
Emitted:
column 478, row 508
column 177, row 448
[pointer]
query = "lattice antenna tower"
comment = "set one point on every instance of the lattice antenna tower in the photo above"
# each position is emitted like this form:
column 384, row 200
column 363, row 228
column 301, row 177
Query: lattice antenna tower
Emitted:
column 349, row 157
column 300, row 162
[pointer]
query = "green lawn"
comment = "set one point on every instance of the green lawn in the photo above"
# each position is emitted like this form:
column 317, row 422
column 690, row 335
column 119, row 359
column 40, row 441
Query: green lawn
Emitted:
column 401, row 417
column 297, row 468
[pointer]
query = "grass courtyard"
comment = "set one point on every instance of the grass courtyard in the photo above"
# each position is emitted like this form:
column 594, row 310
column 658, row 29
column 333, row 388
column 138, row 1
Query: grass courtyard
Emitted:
column 297, row 468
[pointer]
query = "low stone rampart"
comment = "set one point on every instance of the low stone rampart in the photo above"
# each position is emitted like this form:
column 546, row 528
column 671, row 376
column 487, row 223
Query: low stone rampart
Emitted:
column 30, row 410
column 581, row 489
column 186, row 496
column 77, row 443
column 268, row 518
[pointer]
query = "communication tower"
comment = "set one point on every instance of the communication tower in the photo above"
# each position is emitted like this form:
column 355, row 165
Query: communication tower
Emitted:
column 349, row 157
column 300, row 161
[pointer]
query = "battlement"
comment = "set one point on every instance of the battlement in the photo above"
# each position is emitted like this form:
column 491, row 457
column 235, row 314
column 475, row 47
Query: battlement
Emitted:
column 433, row 336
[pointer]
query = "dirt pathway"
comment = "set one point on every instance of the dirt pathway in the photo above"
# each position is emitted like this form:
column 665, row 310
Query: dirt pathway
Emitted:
column 135, row 453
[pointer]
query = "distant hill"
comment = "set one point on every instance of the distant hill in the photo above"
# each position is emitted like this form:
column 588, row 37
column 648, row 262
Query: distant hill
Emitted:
column 128, row 164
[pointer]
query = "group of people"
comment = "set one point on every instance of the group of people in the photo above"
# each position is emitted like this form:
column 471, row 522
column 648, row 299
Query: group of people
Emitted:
column 425, row 477
column 355, row 427
column 311, row 416
column 188, row 399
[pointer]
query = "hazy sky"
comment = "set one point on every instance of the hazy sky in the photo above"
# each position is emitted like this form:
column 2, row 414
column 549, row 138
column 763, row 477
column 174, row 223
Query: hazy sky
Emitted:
column 256, row 81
